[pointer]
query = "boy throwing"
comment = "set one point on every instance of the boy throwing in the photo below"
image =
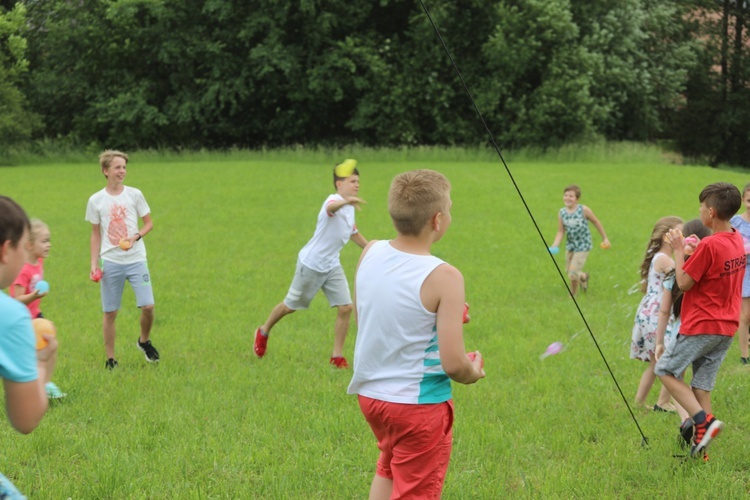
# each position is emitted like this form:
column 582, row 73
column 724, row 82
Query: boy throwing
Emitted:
column 410, row 341
column 318, row 264
column 712, row 284
column 115, row 238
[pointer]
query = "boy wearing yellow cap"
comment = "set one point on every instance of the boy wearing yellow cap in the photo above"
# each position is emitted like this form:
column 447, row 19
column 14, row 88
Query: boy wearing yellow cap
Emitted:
column 318, row 264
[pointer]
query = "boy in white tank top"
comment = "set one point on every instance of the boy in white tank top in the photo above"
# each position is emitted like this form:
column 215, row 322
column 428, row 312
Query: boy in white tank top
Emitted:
column 409, row 307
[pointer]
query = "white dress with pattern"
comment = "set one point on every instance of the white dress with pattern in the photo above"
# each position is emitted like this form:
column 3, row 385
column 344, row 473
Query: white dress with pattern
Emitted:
column 647, row 316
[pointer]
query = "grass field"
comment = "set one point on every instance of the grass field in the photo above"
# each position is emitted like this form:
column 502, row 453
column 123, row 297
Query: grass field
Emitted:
column 213, row 421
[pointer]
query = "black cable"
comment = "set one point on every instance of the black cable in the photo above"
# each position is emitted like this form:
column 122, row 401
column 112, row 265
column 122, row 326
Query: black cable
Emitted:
column 644, row 440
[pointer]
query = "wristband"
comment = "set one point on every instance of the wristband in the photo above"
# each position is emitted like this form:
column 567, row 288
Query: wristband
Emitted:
column 139, row 236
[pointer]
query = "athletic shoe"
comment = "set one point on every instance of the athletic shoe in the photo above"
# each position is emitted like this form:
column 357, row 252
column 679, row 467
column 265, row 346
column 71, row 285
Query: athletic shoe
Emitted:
column 261, row 342
column 584, row 281
column 339, row 362
column 149, row 350
column 686, row 433
column 704, row 433
column 53, row 392
column 744, row 361
column 111, row 364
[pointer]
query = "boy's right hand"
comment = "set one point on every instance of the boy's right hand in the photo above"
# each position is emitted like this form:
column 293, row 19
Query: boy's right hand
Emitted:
column 355, row 202
column 658, row 351
column 478, row 361
column 96, row 274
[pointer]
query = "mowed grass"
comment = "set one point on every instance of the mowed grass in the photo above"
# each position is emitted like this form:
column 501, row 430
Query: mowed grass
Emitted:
column 213, row 421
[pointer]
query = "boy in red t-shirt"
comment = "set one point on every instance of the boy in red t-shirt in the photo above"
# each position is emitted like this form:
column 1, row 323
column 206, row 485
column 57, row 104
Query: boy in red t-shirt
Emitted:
column 712, row 282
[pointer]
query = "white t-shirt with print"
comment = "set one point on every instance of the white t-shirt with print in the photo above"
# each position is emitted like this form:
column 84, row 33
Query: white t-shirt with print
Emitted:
column 332, row 232
column 118, row 218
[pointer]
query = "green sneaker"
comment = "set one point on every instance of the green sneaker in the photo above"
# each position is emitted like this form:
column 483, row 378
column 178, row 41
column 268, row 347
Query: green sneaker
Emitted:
column 53, row 392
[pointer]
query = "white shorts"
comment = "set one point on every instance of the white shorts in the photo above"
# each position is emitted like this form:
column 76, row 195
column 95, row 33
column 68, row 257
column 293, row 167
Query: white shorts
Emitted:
column 307, row 282
column 113, row 283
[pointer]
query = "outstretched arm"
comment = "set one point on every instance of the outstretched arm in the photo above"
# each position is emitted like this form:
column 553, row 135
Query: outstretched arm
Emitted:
column 334, row 206
column 598, row 225
column 560, row 232
column 359, row 240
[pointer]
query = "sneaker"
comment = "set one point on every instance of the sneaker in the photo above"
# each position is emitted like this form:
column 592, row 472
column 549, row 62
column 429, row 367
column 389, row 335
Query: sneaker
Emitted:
column 745, row 361
column 584, row 281
column 53, row 392
column 686, row 432
column 704, row 433
column 339, row 362
column 111, row 364
column 261, row 342
column 149, row 350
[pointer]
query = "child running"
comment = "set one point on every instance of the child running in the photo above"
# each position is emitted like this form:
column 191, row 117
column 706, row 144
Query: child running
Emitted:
column 24, row 286
column 670, row 317
column 319, row 265
column 655, row 266
column 115, row 239
column 741, row 223
column 22, row 368
column 410, row 341
column 574, row 219
column 712, row 285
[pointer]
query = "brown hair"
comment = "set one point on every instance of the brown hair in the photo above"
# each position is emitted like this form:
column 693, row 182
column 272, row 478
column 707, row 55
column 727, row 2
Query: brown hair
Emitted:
column 723, row 197
column 13, row 221
column 575, row 189
column 105, row 159
column 414, row 197
column 661, row 228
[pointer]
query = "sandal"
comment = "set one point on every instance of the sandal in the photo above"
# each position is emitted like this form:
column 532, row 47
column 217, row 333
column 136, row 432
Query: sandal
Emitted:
column 666, row 409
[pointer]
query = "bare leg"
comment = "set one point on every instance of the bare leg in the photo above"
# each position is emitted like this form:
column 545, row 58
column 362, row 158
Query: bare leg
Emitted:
column 742, row 333
column 341, row 328
column 51, row 362
column 573, row 284
column 683, row 394
column 703, row 398
column 147, row 321
column 108, row 329
column 277, row 313
column 381, row 488
column 647, row 381
column 664, row 398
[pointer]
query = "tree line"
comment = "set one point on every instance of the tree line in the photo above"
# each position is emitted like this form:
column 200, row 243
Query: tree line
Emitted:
column 215, row 73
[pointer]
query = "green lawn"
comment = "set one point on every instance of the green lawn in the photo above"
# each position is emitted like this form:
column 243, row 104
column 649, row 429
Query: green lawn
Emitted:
column 213, row 421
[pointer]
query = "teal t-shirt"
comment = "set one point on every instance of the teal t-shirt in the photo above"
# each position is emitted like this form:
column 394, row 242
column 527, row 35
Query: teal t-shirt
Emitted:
column 577, row 230
column 17, row 342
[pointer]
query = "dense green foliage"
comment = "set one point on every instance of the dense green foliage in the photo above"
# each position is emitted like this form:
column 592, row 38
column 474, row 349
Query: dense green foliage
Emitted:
column 216, row 74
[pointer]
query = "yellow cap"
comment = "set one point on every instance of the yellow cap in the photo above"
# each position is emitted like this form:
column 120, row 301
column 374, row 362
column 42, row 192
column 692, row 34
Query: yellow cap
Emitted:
column 345, row 168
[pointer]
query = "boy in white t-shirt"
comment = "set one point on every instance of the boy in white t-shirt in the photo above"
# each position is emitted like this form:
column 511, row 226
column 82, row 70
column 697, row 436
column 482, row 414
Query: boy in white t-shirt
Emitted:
column 318, row 264
column 410, row 345
column 115, row 239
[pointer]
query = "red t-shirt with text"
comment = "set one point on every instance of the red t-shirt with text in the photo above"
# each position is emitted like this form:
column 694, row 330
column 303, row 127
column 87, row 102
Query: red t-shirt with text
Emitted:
column 713, row 304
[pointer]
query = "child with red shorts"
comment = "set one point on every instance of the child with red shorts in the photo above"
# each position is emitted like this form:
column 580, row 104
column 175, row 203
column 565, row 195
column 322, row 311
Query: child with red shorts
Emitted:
column 410, row 341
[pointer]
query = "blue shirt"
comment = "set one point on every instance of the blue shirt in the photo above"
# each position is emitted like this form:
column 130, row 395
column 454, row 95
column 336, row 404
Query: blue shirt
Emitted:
column 18, row 360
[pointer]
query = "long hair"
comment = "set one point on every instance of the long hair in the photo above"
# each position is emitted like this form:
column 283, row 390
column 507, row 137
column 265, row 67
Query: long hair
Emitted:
column 661, row 228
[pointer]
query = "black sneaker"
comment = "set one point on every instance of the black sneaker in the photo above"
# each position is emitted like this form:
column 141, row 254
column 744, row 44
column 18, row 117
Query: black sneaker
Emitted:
column 111, row 364
column 149, row 350
column 704, row 434
column 686, row 433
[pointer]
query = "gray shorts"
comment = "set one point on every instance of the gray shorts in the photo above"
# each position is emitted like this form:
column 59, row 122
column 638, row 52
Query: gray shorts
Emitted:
column 307, row 282
column 113, row 283
column 704, row 352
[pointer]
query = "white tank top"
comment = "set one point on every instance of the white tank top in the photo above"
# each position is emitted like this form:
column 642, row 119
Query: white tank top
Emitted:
column 396, row 355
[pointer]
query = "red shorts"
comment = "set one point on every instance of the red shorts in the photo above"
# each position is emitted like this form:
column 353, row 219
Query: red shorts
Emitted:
column 415, row 444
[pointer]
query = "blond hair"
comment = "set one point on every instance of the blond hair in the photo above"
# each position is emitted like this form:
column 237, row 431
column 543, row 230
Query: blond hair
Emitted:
column 661, row 228
column 105, row 159
column 36, row 227
column 415, row 197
